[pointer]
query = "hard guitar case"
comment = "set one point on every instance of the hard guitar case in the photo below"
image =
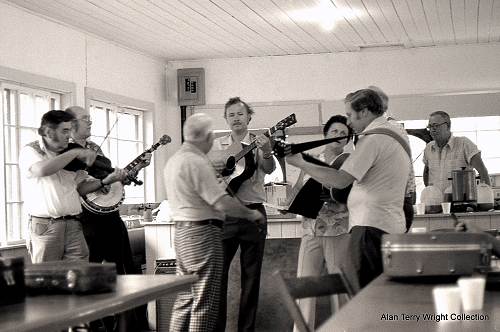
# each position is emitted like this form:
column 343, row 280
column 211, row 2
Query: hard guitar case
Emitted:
column 70, row 277
column 435, row 254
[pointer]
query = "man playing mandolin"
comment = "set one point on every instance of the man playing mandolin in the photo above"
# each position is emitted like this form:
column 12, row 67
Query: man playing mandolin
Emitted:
column 250, row 237
column 106, row 234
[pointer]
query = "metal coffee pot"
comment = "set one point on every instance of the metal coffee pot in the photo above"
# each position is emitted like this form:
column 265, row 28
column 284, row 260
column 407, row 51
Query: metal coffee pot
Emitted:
column 463, row 184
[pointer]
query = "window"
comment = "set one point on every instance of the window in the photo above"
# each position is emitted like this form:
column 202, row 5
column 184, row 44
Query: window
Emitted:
column 124, row 142
column 483, row 131
column 22, row 110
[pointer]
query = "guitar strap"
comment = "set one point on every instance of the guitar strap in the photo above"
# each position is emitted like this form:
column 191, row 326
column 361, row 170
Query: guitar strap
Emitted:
column 388, row 132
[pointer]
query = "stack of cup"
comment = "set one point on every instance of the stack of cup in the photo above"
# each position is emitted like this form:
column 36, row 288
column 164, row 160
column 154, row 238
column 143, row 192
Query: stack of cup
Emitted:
column 446, row 206
column 419, row 208
column 472, row 292
column 447, row 299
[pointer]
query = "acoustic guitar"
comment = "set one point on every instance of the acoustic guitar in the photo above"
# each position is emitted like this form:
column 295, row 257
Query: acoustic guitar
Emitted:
column 308, row 198
column 238, row 163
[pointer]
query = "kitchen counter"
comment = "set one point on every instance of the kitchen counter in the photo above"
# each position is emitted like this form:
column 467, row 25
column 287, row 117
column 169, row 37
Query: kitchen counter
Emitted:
column 428, row 222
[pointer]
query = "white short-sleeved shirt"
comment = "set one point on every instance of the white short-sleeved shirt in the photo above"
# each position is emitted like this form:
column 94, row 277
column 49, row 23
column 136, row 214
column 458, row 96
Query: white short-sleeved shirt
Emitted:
column 251, row 190
column 456, row 154
column 381, row 167
column 48, row 196
column 192, row 185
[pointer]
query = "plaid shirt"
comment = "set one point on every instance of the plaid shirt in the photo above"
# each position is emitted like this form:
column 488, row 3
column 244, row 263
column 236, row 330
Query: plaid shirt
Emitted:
column 455, row 154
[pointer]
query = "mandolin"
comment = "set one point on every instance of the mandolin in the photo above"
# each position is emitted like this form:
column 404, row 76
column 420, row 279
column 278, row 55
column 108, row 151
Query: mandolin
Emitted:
column 237, row 162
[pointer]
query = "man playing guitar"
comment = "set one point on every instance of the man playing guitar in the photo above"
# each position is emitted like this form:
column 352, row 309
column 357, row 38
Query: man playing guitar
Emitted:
column 106, row 235
column 250, row 237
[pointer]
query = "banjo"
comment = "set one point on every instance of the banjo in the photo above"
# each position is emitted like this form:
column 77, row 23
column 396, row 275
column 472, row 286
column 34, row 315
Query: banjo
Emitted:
column 108, row 200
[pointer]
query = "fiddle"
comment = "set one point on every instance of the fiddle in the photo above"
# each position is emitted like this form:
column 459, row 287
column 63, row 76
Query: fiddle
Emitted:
column 99, row 169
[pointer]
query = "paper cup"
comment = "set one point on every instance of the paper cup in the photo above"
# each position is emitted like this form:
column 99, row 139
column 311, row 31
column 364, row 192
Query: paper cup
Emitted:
column 446, row 206
column 447, row 299
column 472, row 292
column 420, row 208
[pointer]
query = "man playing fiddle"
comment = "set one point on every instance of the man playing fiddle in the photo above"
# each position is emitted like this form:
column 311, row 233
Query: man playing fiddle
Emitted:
column 52, row 193
column 106, row 234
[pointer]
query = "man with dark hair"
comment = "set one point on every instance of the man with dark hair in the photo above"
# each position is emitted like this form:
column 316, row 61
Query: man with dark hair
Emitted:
column 52, row 193
column 239, row 233
column 447, row 153
column 378, row 170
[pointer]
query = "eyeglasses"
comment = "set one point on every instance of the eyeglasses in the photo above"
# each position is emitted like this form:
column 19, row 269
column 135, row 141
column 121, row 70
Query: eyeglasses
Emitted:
column 435, row 125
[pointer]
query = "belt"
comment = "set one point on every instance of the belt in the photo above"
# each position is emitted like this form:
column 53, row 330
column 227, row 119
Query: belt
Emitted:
column 191, row 223
column 72, row 217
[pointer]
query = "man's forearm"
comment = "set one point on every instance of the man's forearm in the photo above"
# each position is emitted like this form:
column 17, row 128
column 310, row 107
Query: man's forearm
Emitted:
column 232, row 207
column 53, row 165
column 328, row 176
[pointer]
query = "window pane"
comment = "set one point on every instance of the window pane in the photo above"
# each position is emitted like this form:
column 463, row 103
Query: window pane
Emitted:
column 492, row 165
column 9, row 106
column 99, row 122
column 487, row 141
column 128, row 151
column 14, row 227
column 11, row 148
column 27, row 114
column 12, row 182
column 27, row 135
column 127, row 127
column 472, row 135
column 42, row 105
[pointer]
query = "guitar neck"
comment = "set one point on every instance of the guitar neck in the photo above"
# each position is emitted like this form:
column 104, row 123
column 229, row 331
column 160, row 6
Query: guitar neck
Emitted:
column 253, row 145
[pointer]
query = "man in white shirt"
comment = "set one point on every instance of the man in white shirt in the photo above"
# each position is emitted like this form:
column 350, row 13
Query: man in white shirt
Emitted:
column 378, row 169
column 447, row 153
column 199, row 203
column 51, row 193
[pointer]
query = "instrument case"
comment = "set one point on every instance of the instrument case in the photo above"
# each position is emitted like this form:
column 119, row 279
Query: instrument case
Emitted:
column 70, row 277
column 435, row 254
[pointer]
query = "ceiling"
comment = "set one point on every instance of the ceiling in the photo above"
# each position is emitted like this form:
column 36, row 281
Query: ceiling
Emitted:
column 202, row 29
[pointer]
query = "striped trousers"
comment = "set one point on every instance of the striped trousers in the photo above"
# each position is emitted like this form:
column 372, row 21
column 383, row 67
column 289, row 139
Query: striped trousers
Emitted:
column 198, row 251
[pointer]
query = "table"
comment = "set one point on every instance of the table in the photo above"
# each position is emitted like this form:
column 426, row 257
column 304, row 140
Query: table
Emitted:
column 387, row 305
column 55, row 312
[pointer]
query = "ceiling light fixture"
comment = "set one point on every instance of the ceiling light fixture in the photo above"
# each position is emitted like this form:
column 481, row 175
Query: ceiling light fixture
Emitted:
column 325, row 14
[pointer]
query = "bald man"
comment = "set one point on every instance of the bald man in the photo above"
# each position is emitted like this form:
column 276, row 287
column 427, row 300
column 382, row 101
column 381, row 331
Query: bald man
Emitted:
column 199, row 203
column 106, row 234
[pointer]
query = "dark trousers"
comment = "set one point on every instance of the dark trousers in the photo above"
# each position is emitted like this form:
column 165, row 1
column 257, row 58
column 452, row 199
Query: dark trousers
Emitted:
column 366, row 253
column 251, row 239
column 107, row 239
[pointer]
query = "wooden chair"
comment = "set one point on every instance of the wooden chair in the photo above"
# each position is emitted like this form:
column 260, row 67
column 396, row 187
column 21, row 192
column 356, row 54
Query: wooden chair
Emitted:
column 294, row 288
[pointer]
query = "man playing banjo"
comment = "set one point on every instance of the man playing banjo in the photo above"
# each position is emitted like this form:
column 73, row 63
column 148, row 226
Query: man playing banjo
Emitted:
column 106, row 234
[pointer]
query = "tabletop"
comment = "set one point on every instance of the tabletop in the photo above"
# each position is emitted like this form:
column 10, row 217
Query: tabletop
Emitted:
column 389, row 305
column 55, row 312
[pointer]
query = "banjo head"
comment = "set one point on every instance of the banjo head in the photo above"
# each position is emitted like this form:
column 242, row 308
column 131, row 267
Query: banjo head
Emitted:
column 100, row 202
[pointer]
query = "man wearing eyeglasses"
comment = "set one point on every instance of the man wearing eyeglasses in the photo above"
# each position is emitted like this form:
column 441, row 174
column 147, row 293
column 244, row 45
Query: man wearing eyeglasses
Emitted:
column 447, row 152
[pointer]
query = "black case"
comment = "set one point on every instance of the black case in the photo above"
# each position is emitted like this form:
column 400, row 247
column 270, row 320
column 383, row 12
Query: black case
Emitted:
column 12, row 288
column 70, row 277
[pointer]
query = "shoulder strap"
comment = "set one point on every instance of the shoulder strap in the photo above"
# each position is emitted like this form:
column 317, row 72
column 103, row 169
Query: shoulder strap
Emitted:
column 388, row 132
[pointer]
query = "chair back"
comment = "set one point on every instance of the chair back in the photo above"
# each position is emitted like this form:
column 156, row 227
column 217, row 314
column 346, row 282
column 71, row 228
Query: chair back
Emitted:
column 294, row 288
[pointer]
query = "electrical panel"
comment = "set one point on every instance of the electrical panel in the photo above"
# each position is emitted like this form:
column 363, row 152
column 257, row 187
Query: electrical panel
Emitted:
column 191, row 86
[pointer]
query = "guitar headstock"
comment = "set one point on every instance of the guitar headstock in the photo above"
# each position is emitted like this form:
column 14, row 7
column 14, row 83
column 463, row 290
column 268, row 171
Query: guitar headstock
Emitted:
column 286, row 122
column 281, row 148
column 165, row 139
